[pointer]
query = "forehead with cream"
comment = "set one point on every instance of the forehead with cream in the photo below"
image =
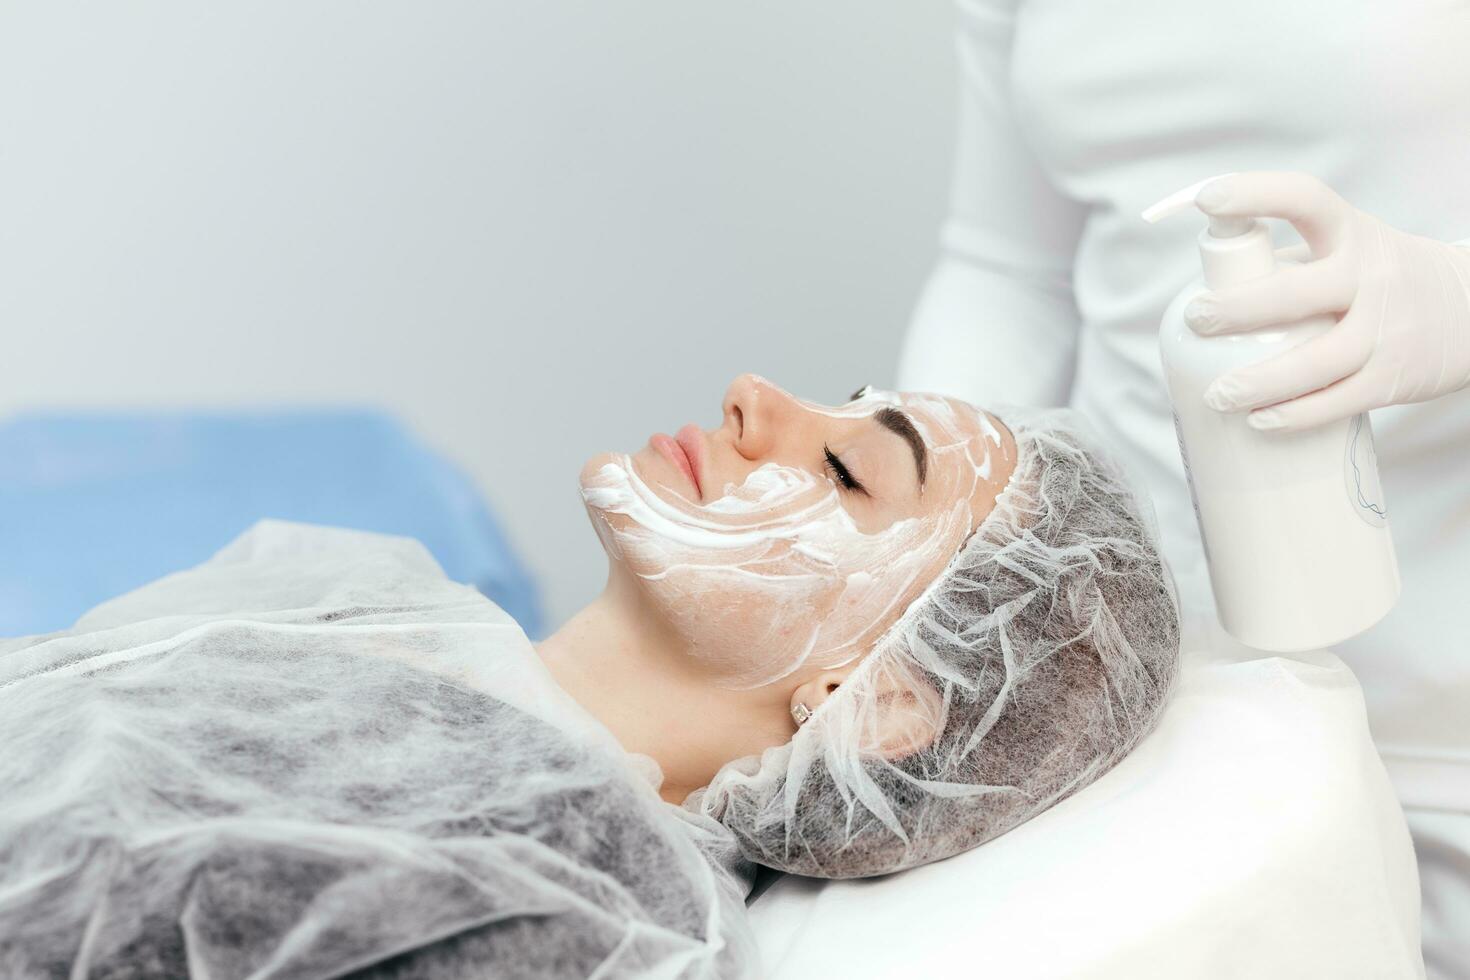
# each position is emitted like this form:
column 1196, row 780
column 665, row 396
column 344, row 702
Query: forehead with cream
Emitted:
column 774, row 574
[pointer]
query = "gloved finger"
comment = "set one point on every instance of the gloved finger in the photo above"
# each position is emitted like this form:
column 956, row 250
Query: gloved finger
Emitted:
column 1317, row 211
column 1300, row 252
column 1292, row 292
column 1342, row 400
column 1310, row 365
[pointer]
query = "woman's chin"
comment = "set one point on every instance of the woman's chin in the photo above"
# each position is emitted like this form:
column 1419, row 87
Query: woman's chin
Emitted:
column 645, row 466
column 594, row 465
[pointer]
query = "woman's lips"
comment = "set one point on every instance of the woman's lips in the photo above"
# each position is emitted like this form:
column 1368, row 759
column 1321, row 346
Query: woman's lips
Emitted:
column 675, row 452
column 691, row 440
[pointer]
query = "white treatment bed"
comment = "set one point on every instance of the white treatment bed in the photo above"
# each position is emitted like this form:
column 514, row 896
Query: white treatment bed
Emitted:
column 1254, row 834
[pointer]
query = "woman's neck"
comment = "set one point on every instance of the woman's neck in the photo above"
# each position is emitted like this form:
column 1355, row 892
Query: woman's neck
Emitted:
column 623, row 664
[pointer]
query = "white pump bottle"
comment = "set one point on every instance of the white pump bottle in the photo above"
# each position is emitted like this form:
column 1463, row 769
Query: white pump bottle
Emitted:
column 1294, row 525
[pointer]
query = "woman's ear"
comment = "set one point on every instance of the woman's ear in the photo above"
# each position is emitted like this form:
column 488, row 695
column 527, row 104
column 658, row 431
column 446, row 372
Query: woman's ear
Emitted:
column 809, row 696
column 897, row 714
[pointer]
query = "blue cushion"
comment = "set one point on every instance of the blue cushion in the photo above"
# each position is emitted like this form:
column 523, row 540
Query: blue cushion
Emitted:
column 95, row 504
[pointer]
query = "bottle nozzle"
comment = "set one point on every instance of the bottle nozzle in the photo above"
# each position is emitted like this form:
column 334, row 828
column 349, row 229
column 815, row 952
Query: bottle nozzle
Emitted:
column 1221, row 226
column 1236, row 248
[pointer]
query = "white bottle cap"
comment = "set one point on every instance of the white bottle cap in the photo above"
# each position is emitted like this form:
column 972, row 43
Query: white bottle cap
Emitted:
column 1234, row 248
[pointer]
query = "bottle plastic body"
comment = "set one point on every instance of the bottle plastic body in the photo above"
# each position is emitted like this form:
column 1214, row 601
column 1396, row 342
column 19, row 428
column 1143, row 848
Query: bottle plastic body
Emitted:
column 1294, row 525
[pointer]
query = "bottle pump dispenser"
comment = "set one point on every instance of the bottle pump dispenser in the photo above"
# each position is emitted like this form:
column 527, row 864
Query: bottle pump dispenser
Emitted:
column 1294, row 526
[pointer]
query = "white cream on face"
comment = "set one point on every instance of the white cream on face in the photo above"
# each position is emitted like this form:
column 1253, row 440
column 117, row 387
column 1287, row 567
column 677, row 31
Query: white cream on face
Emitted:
column 774, row 574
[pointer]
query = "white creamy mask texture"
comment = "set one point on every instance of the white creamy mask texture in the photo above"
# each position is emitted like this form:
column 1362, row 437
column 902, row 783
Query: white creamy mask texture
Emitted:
column 774, row 574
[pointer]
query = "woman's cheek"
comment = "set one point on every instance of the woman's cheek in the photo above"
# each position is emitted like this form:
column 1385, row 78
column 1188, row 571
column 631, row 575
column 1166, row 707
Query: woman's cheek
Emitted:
column 652, row 556
column 752, row 628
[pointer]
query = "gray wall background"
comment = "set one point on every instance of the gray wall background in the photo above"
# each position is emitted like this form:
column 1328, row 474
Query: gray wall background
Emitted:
column 536, row 230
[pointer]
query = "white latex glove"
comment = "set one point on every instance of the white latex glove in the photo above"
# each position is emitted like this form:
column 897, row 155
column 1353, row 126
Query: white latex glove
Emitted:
column 1403, row 302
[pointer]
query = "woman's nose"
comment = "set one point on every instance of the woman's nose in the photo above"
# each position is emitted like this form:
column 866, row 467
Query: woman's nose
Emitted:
column 756, row 411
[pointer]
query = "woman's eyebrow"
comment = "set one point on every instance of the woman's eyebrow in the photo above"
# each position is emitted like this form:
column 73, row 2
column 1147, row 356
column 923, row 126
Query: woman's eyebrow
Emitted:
column 896, row 421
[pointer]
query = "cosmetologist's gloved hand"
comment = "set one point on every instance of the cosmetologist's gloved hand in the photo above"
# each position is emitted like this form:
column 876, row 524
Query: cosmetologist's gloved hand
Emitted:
column 1403, row 302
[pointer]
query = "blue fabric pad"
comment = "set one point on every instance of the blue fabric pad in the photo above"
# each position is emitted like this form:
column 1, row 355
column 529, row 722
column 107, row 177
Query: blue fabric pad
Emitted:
column 96, row 504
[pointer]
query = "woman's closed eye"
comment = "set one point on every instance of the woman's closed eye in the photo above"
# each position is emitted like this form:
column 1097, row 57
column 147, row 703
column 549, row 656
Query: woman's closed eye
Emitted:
column 834, row 465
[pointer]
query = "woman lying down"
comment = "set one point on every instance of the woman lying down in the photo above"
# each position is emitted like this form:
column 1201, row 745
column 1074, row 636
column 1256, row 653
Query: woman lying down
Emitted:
column 834, row 641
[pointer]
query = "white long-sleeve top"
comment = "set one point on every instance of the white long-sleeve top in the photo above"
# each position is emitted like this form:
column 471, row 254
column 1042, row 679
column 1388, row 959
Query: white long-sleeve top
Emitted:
column 1075, row 116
